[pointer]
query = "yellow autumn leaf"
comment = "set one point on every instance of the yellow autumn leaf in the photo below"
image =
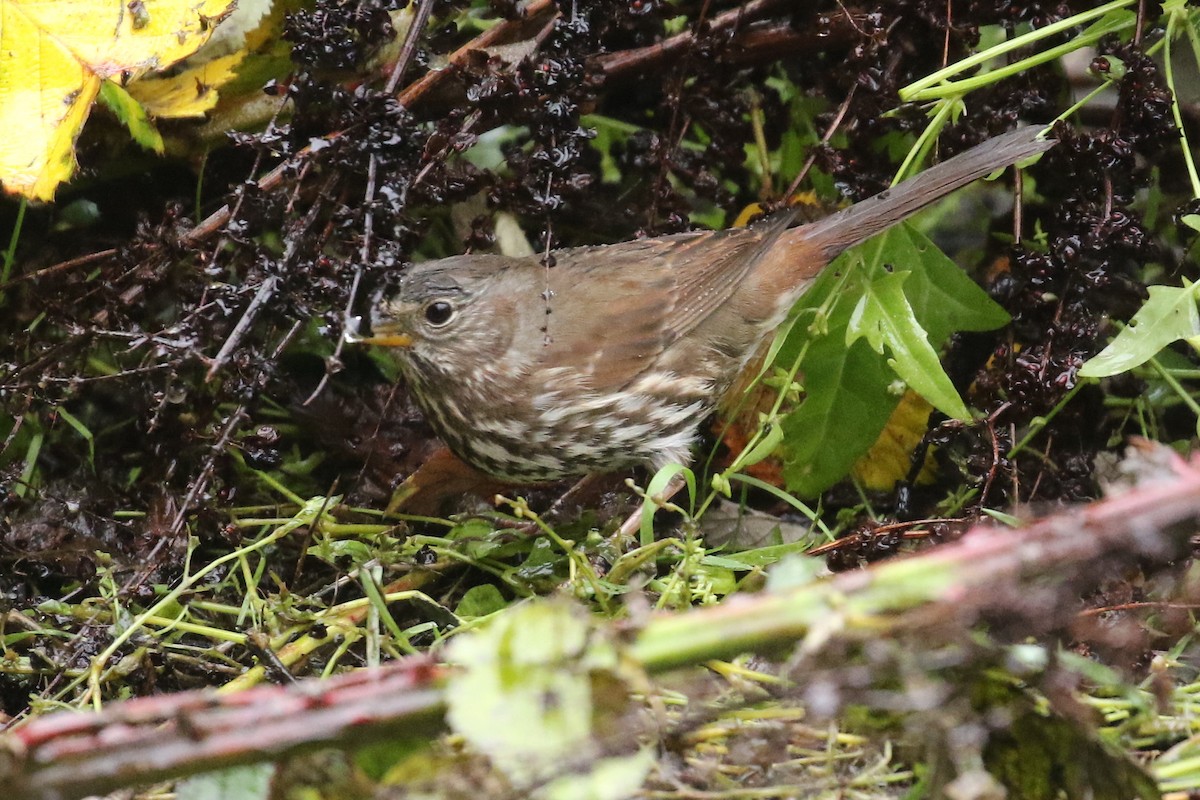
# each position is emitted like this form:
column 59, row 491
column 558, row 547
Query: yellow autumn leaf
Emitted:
column 54, row 54
column 191, row 93
column 191, row 88
column 890, row 458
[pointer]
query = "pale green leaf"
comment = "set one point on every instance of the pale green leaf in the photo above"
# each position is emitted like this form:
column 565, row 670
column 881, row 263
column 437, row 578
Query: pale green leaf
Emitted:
column 1168, row 316
column 252, row 782
column 524, row 694
column 885, row 318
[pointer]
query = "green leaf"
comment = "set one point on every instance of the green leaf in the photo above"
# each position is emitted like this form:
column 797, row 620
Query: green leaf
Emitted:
column 846, row 401
column 251, row 782
column 793, row 571
column 885, row 318
column 380, row 760
column 1168, row 316
column 481, row 600
column 82, row 430
column 531, row 685
column 849, row 395
column 944, row 298
column 657, row 486
column 132, row 116
column 847, row 405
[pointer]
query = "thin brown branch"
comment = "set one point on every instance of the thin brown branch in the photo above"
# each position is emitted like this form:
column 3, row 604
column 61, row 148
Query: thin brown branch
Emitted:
column 753, row 45
column 62, row 266
column 265, row 291
column 500, row 33
column 409, row 50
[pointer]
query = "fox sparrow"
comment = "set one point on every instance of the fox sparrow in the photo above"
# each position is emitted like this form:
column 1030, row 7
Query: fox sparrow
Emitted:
column 642, row 337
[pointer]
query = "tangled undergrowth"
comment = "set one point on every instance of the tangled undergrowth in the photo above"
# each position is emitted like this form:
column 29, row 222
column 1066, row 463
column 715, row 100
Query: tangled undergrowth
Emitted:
column 205, row 486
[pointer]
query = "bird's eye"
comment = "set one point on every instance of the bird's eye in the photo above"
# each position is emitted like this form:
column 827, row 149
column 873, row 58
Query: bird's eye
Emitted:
column 438, row 313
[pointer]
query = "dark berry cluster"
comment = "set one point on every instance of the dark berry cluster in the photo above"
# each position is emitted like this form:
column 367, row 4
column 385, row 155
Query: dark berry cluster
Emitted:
column 1090, row 270
column 548, row 92
column 339, row 34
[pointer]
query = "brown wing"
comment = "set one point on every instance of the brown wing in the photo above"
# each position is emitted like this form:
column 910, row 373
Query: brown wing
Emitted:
column 707, row 275
column 614, row 309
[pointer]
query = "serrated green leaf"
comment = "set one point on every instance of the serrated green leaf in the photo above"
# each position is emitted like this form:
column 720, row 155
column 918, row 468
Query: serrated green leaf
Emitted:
column 1168, row 316
column 885, row 318
column 132, row 116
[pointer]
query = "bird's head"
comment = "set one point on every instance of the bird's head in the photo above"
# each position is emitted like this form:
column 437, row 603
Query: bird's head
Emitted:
column 446, row 315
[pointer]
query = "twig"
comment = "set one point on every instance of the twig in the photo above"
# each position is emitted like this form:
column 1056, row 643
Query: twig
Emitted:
column 812, row 157
column 418, row 89
column 265, row 290
column 201, row 482
column 415, row 29
column 62, row 266
column 409, row 50
column 754, row 44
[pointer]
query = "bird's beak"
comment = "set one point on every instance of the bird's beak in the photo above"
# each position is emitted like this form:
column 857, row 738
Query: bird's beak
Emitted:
column 389, row 340
column 379, row 334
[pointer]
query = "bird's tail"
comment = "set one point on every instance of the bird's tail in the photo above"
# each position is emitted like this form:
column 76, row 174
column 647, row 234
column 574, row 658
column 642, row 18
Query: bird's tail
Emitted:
column 856, row 224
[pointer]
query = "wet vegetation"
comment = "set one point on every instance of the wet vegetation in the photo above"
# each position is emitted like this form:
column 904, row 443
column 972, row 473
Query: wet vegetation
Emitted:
column 205, row 486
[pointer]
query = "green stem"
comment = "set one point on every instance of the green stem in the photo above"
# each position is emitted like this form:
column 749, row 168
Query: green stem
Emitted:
column 917, row 89
column 10, row 255
column 928, row 136
column 1172, row 20
column 1039, row 423
column 1183, row 394
column 309, row 514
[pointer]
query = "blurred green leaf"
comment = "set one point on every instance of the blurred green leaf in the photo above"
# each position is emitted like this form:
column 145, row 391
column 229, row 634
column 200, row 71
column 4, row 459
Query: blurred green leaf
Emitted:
column 251, row 782
column 481, row 600
column 530, row 688
column 609, row 779
column 1043, row 756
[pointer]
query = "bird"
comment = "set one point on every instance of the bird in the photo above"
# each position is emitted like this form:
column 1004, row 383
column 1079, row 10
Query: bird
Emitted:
column 597, row 359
